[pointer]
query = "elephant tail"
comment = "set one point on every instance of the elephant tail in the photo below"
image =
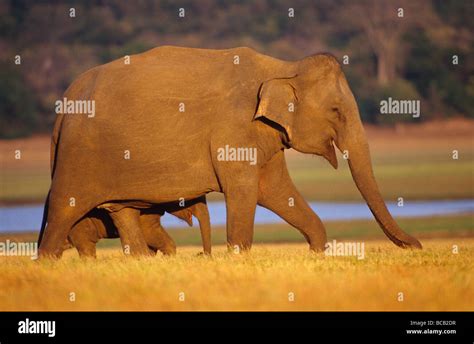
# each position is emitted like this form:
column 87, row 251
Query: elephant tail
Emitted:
column 45, row 217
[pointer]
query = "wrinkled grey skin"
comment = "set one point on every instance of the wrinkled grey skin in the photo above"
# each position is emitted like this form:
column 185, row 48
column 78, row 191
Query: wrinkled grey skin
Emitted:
column 174, row 154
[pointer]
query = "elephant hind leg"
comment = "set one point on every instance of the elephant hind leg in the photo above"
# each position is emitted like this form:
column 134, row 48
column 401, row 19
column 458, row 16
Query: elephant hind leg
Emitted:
column 62, row 216
column 54, row 238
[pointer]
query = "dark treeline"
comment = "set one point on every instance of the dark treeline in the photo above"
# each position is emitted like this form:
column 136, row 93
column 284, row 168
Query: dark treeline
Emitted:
column 404, row 57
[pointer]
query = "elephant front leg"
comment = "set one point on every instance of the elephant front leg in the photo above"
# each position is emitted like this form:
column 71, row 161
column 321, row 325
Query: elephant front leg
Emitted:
column 241, row 201
column 127, row 221
column 237, row 175
column 278, row 194
column 292, row 208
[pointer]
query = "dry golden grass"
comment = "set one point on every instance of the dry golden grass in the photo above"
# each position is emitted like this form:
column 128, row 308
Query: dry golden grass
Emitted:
column 431, row 279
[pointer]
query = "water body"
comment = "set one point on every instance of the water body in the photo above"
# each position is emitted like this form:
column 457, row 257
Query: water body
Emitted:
column 28, row 218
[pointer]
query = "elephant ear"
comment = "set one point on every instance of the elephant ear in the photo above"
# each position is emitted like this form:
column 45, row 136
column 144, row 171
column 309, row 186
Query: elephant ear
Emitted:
column 277, row 102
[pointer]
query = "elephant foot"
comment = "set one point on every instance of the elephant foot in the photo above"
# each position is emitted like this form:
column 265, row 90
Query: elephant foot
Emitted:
column 317, row 248
column 48, row 255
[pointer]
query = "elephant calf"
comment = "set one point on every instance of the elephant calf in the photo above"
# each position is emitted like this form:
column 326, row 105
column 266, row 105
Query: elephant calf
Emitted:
column 99, row 225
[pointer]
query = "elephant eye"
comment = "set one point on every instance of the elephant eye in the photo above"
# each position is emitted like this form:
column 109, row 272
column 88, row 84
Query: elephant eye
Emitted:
column 338, row 114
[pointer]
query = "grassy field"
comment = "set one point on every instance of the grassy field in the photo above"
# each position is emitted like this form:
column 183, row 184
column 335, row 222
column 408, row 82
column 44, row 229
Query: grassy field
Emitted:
column 434, row 278
column 271, row 277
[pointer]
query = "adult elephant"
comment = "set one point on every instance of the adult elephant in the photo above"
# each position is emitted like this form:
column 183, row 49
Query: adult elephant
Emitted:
column 162, row 121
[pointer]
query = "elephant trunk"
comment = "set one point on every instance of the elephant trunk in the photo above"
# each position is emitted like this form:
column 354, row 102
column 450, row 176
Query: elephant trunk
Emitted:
column 355, row 142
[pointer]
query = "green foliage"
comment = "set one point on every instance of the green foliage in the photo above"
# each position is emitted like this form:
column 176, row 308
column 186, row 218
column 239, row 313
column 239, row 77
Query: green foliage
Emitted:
column 456, row 12
column 18, row 108
column 443, row 83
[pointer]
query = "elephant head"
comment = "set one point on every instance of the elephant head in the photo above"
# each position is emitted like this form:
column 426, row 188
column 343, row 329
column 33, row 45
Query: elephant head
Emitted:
column 318, row 111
